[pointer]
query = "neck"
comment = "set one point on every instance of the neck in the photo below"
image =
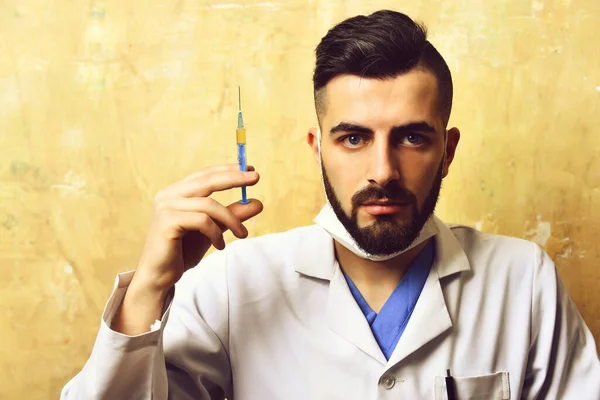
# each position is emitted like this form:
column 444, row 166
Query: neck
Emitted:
column 376, row 280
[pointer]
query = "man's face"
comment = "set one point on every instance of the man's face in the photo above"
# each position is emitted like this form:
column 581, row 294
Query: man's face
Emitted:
column 383, row 146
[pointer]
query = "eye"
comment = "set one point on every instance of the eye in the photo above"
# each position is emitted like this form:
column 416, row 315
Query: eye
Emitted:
column 413, row 139
column 352, row 140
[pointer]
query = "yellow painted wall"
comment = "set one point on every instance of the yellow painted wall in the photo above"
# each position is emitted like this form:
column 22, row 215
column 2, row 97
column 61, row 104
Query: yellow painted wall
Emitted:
column 104, row 102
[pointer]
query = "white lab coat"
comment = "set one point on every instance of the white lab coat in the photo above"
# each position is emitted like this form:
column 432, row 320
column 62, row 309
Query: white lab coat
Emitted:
column 273, row 318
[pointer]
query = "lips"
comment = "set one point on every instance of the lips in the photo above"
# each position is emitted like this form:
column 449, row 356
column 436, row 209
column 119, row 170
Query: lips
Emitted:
column 385, row 207
column 385, row 203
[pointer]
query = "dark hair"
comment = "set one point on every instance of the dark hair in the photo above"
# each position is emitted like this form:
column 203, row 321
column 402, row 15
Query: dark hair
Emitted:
column 382, row 45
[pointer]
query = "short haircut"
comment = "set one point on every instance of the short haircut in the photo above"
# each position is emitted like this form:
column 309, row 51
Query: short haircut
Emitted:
column 382, row 45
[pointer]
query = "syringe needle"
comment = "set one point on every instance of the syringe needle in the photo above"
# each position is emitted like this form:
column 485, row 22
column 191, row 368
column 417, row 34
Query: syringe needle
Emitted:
column 239, row 98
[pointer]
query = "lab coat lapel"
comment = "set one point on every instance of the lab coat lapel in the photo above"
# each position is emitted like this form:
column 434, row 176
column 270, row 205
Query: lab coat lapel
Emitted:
column 430, row 318
column 344, row 316
column 347, row 320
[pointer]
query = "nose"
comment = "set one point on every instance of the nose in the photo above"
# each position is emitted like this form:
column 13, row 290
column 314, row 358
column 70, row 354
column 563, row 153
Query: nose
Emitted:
column 383, row 164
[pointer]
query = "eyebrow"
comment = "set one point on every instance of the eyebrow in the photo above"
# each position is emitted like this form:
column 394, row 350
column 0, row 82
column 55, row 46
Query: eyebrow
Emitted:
column 420, row 126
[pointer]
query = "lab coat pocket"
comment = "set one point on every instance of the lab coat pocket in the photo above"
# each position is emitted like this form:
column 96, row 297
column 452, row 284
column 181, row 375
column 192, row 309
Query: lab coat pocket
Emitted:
column 484, row 387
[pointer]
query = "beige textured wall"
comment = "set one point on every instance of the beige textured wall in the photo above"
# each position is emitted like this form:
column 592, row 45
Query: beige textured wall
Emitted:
column 103, row 103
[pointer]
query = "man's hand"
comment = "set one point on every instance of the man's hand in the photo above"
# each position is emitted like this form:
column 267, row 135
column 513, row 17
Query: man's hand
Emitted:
column 186, row 222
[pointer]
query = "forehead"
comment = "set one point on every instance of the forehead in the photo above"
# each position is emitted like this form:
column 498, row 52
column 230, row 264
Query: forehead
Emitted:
column 383, row 103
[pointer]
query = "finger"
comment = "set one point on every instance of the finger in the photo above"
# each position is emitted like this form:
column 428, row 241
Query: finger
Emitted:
column 216, row 169
column 205, row 186
column 190, row 221
column 246, row 211
column 215, row 210
column 178, row 189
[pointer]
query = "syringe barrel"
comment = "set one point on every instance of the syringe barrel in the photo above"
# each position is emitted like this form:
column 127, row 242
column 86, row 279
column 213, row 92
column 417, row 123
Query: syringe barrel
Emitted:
column 240, row 135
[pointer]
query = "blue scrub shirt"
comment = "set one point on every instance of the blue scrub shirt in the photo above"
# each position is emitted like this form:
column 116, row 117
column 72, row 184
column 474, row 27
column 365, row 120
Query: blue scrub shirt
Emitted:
column 388, row 325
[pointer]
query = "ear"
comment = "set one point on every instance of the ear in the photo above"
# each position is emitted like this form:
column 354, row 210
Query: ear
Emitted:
column 313, row 142
column 451, row 144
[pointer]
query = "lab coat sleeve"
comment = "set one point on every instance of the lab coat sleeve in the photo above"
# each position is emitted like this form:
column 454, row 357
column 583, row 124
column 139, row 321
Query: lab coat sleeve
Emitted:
column 185, row 358
column 563, row 360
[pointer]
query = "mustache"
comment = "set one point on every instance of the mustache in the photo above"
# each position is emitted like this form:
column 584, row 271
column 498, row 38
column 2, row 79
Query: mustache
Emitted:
column 392, row 192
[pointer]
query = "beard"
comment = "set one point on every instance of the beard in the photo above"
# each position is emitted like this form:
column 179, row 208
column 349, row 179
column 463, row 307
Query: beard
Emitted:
column 386, row 235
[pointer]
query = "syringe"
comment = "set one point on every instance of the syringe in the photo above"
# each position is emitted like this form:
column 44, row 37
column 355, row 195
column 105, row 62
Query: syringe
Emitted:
column 240, row 134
